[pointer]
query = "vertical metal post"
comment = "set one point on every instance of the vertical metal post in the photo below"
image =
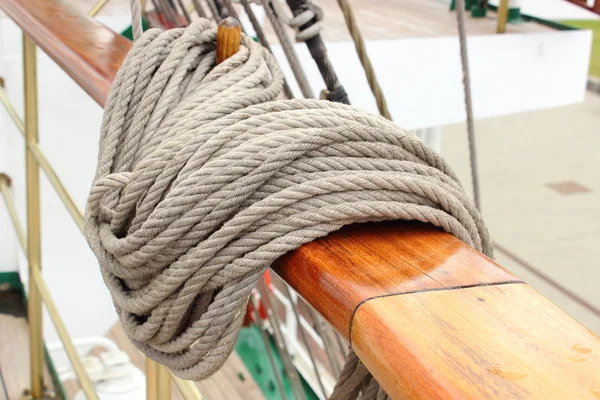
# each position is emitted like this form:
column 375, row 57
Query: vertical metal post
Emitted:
column 164, row 383
column 34, row 307
column 502, row 16
column 158, row 381
column 151, row 380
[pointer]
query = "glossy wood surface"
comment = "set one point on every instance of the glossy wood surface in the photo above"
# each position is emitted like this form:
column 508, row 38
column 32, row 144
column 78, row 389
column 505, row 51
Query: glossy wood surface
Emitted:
column 337, row 273
column 493, row 342
column 87, row 50
column 229, row 35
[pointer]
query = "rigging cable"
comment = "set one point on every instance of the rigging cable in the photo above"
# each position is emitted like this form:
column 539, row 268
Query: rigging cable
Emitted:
column 460, row 16
column 361, row 50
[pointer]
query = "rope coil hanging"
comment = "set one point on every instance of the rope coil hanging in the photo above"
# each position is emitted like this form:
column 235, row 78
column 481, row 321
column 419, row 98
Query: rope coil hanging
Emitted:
column 204, row 179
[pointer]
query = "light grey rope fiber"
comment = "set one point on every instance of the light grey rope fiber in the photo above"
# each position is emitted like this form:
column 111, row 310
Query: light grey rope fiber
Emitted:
column 464, row 58
column 262, row 39
column 204, row 179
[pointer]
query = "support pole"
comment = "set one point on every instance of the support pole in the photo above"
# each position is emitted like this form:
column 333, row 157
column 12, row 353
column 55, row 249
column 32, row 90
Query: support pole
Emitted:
column 151, row 380
column 97, row 8
column 34, row 304
column 164, row 383
column 502, row 16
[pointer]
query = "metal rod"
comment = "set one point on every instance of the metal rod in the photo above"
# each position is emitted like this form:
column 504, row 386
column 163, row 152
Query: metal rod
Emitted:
column 184, row 11
column 188, row 389
column 164, row 383
column 80, row 372
column 11, row 111
column 292, row 373
column 199, row 10
column 97, row 8
column 214, row 10
column 265, row 339
column 502, row 16
column 151, row 380
column 58, row 186
column 34, row 305
column 168, row 12
column 43, row 162
column 12, row 210
column 305, row 340
column 42, row 289
column 327, row 343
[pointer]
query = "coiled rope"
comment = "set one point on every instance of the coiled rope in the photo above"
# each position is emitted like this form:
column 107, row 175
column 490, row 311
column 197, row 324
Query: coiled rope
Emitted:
column 204, row 179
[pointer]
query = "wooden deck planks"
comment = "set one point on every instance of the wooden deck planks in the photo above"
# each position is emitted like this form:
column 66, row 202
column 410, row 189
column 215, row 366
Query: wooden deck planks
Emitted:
column 14, row 347
column 394, row 19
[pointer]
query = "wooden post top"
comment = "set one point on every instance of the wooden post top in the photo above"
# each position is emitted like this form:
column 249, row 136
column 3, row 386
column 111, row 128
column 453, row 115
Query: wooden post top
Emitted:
column 228, row 38
column 429, row 316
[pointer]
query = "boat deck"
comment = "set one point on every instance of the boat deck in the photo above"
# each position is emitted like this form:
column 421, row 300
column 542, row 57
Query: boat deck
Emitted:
column 393, row 19
column 14, row 345
column 225, row 384
column 383, row 19
column 232, row 382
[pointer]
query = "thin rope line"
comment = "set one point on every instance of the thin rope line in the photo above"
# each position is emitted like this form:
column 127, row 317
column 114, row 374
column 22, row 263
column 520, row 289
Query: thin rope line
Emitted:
column 361, row 50
column 460, row 16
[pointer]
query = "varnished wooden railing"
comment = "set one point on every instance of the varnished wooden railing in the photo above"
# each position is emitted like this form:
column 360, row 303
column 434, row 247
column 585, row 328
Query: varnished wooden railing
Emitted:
column 430, row 317
column 593, row 7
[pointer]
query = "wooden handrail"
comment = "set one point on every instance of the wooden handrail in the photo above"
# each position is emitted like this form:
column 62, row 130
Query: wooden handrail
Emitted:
column 430, row 317
column 595, row 7
column 84, row 48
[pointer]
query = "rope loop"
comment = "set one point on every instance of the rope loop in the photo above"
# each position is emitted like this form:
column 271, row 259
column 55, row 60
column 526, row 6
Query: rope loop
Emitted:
column 313, row 12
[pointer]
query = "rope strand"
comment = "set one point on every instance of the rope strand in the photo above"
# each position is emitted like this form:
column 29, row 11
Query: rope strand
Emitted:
column 361, row 50
column 462, row 35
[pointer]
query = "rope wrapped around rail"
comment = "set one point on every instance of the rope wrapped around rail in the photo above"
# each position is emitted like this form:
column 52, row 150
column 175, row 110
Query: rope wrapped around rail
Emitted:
column 204, row 178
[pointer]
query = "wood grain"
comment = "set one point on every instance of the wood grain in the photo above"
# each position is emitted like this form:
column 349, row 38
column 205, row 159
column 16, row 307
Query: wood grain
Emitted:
column 494, row 342
column 340, row 271
column 229, row 34
column 14, row 356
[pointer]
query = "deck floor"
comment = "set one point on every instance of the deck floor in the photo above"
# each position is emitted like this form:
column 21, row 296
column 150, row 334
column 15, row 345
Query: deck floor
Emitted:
column 224, row 385
column 14, row 347
column 381, row 19
column 394, row 19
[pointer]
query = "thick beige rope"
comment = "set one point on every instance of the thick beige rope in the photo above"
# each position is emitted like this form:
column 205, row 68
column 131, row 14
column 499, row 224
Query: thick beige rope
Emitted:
column 204, row 179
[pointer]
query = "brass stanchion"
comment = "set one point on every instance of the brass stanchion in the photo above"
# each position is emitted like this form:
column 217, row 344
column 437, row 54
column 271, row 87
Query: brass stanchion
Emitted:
column 34, row 305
